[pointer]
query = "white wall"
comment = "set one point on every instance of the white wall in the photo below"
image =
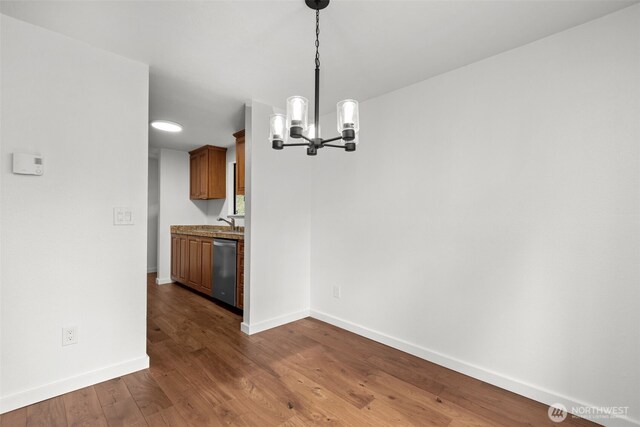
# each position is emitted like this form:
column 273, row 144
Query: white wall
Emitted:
column 490, row 219
column 153, row 209
column 177, row 209
column 277, row 257
column 63, row 260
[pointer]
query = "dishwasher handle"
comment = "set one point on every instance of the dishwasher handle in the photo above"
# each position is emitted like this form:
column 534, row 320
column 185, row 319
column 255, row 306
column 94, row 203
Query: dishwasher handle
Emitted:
column 220, row 242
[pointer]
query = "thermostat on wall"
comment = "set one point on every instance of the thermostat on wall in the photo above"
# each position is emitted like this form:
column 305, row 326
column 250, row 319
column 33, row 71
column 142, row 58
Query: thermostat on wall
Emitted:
column 27, row 164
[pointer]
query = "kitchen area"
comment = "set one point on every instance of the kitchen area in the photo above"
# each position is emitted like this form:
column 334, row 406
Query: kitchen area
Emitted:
column 200, row 232
column 210, row 260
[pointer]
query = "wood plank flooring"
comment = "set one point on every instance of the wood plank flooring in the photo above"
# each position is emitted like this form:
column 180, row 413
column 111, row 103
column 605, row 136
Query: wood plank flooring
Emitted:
column 205, row 372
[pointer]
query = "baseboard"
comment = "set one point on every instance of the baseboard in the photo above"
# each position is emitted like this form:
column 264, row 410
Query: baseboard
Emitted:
column 524, row 389
column 163, row 281
column 254, row 328
column 244, row 327
column 47, row 391
column 152, row 270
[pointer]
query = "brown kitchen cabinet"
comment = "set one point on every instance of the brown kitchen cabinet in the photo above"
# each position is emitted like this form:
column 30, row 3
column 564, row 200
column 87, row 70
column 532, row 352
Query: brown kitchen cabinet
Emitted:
column 207, row 173
column 179, row 260
column 175, row 254
column 206, row 266
column 240, row 275
column 191, row 261
column 240, row 169
column 194, row 275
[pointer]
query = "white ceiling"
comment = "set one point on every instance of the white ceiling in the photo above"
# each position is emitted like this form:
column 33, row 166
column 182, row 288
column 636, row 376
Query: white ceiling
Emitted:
column 207, row 58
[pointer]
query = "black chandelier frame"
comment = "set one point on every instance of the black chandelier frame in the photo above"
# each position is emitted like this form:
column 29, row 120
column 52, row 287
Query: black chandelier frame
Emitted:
column 297, row 132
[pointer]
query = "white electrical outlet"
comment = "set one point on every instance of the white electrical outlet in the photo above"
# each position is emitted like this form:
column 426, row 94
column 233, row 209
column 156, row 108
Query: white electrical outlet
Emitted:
column 70, row 335
column 122, row 216
column 336, row 291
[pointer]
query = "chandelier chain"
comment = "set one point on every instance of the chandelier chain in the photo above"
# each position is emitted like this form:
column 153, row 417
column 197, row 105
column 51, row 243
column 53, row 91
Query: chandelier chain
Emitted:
column 317, row 38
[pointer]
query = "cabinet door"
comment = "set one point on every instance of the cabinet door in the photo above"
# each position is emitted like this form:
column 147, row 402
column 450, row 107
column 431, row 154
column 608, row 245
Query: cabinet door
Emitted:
column 203, row 175
column 198, row 175
column 240, row 169
column 206, row 263
column 240, row 276
column 194, row 264
column 194, row 174
column 183, row 263
column 175, row 256
column 217, row 173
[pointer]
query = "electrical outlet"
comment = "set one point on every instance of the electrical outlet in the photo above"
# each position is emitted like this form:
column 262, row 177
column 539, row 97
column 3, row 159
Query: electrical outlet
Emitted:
column 336, row 291
column 122, row 216
column 70, row 335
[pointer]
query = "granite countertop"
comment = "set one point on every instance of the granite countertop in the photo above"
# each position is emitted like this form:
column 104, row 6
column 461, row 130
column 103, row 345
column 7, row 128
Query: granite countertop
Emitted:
column 209, row 231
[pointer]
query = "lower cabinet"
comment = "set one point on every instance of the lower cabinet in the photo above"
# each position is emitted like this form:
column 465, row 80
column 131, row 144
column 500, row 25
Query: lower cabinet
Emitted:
column 179, row 266
column 192, row 261
column 206, row 267
column 194, row 272
column 240, row 275
column 192, row 264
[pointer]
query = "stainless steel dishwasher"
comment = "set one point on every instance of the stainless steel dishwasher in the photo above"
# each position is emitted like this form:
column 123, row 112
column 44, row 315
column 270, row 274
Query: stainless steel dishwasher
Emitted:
column 224, row 270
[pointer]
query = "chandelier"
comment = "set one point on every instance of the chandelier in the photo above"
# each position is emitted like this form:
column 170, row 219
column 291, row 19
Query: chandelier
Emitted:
column 296, row 120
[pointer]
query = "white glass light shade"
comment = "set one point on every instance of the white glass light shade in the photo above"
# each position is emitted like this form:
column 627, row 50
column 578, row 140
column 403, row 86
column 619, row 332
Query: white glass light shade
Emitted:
column 277, row 127
column 348, row 117
column 297, row 111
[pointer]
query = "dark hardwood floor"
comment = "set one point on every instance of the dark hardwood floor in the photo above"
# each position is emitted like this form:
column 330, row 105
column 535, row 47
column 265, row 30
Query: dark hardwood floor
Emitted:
column 205, row 372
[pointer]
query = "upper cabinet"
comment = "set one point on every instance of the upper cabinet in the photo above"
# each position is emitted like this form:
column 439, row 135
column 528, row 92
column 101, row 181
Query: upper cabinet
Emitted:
column 239, row 162
column 208, row 176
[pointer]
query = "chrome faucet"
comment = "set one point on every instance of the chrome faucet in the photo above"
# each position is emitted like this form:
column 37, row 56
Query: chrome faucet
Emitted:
column 232, row 223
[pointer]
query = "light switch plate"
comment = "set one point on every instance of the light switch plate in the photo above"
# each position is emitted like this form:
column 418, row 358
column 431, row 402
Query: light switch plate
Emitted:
column 336, row 291
column 122, row 216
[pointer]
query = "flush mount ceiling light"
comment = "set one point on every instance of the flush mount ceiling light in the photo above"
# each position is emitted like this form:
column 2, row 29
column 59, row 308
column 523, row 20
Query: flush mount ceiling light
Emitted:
column 295, row 122
column 166, row 126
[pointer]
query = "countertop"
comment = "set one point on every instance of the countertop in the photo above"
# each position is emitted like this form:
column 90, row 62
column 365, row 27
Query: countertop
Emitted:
column 212, row 231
